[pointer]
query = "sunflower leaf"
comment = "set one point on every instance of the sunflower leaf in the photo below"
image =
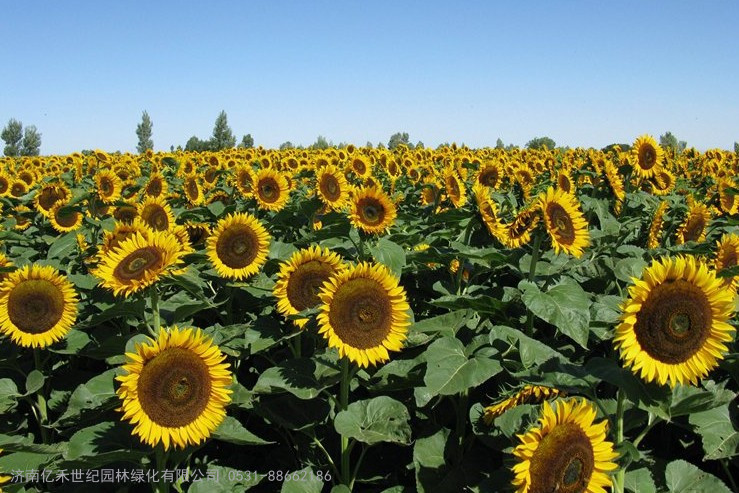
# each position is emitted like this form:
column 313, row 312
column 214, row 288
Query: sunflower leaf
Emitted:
column 716, row 428
column 449, row 370
column 684, row 477
column 381, row 419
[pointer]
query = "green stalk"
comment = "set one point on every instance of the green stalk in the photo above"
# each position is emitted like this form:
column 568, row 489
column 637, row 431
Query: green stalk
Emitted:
column 462, row 421
column 343, row 404
column 41, row 399
column 532, row 275
column 161, row 458
column 618, row 486
column 156, row 324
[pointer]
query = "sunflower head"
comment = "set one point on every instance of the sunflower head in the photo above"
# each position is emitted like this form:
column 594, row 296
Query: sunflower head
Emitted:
column 38, row 306
column 727, row 255
column 108, row 185
column 157, row 213
column 654, row 239
column 238, row 246
column 646, row 156
column 364, row 313
column 271, row 189
column 332, row 187
column 301, row 278
column 518, row 232
column 372, row 210
column 64, row 218
column 674, row 325
column 567, row 452
column 564, row 221
column 156, row 186
column 694, row 226
column 175, row 389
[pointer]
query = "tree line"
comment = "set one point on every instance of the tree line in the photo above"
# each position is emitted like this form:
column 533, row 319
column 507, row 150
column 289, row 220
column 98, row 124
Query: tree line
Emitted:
column 20, row 141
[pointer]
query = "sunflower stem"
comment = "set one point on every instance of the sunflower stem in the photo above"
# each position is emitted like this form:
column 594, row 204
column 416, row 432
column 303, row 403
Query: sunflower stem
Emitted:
column 461, row 421
column 532, row 275
column 40, row 398
column 653, row 420
column 161, row 457
column 344, row 404
column 727, row 471
column 356, row 466
column 156, row 323
column 618, row 482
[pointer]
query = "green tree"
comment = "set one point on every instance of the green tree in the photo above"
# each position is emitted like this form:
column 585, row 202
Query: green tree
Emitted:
column 398, row 138
column 143, row 131
column 669, row 141
column 31, row 141
column 321, row 143
column 223, row 137
column 286, row 145
column 541, row 143
column 499, row 144
column 420, row 145
column 13, row 135
column 247, row 141
column 736, row 147
column 196, row 144
column 623, row 147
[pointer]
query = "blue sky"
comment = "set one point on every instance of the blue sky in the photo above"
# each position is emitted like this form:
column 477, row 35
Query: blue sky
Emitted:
column 583, row 73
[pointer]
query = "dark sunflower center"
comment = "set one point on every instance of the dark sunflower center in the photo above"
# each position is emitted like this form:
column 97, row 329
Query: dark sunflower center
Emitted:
column 371, row 211
column 305, row 283
column 3, row 184
column 564, row 183
column 522, row 223
column 48, row 198
column 331, row 187
column 359, row 167
column 18, row 189
column 694, row 228
column 65, row 220
column 105, row 186
column 489, row 178
column 674, row 321
column 156, row 217
column 35, row 306
column 563, row 461
column 562, row 221
column 647, row 156
column 174, row 387
column 125, row 213
column 361, row 313
column 237, row 246
column 453, row 187
column 192, row 189
column 136, row 264
column 269, row 190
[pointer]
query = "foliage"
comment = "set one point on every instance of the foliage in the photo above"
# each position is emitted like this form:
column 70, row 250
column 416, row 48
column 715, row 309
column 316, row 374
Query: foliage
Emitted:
column 20, row 141
column 143, row 132
column 541, row 143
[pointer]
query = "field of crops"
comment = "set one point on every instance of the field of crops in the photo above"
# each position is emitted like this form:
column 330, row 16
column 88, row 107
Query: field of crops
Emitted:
column 359, row 319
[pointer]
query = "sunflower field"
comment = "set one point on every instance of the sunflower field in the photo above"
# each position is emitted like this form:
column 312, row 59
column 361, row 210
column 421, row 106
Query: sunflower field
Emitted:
column 370, row 320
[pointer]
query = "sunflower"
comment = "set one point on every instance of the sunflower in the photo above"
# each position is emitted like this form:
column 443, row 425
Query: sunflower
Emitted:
column 489, row 175
column 728, row 201
column 564, row 181
column 693, row 227
column 518, row 232
column 372, row 211
column 271, row 190
column 532, row 394
column 21, row 216
column 64, row 218
column 138, row 262
column 108, row 186
column 727, row 255
column 121, row 232
column 5, row 262
column 567, row 452
column 176, row 388
column 18, row 188
column 4, row 184
column 646, row 156
column 193, row 191
column 674, row 325
column 488, row 210
column 300, row 280
column 125, row 213
column 655, row 229
column 364, row 313
column 38, row 306
column 197, row 232
column 238, row 246
column 662, row 182
column 156, row 186
column 360, row 167
column 454, row 187
column 564, row 221
column 332, row 187
column 615, row 180
column 244, row 179
column 157, row 213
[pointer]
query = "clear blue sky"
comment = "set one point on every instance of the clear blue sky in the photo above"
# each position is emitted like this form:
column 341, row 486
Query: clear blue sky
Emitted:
column 583, row 73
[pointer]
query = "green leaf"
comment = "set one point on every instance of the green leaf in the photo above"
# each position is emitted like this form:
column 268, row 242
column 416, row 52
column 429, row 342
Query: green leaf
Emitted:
column 25, row 461
column 95, row 393
column 102, row 444
column 302, row 481
column 429, row 461
column 531, row 351
column 626, row 268
column 84, row 282
column 390, row 254
column 63, row 246
column 303, row 378
column 73, row 342
column 565, row 305
column 639, row 481
column 34, row 381
column 232, row 431
column 381, row 419
column 446, row 324
column 8, row 393
column 449, row 370
column 720, row 439
column 684, row 477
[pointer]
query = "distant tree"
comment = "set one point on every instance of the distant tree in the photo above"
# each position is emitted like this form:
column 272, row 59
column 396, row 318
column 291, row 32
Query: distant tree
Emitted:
column 321, row 143
column 196, row 144
column 499, row 144
column 398, row 138
column 510, row 147
column 623, row 147
column 286, row 145
column 380, row 145
column 13, row 135
column 541, row 143
column 369, row 145
column 736, row 147
column 31, row 141
column 247, row 141
column 669, row 141
column 143, row 131
column 419, row 145
column 223, row 137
